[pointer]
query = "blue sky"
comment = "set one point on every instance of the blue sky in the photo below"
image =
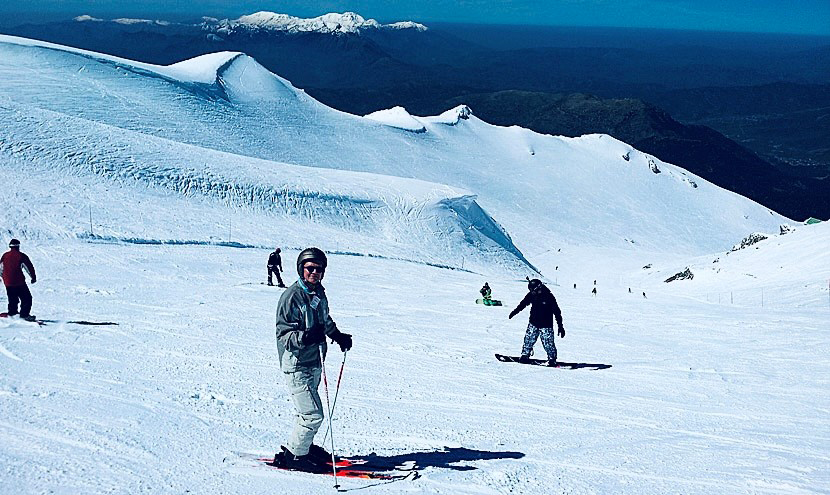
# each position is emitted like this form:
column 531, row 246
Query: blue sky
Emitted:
column 779, row 16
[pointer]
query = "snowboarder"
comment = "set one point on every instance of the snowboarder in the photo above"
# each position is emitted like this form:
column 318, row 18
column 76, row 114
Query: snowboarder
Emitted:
column 486, row 293
column 543, row 309
column 12, row 264
column 275, row 267
column 303, row 323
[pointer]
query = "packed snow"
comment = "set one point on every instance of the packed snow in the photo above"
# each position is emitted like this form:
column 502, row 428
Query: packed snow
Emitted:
column 151, row 197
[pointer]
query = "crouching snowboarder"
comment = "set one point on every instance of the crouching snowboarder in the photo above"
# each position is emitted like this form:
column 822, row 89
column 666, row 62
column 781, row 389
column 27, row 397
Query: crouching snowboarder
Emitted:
column 543, row 309
column 303, row 323
column 486, row 293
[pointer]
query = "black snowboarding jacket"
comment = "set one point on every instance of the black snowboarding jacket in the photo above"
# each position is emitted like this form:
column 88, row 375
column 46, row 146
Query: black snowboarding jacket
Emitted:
column 543, row 308
column 275, row 261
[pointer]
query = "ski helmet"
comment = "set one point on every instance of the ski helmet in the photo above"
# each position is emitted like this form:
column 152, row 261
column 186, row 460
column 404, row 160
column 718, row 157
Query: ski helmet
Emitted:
column 14, row 243
column 310, row 254
column 534, row 284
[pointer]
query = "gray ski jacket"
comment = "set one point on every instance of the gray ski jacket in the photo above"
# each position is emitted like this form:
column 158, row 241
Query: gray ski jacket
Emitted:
column 298, row 311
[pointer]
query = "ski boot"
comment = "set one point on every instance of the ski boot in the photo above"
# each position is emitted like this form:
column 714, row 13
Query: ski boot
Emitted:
column 319, row 454
column 306, row 463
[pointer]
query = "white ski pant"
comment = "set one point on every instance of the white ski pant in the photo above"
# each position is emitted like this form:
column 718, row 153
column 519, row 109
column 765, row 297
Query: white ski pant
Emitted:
column 308, row 408
column 532, row 334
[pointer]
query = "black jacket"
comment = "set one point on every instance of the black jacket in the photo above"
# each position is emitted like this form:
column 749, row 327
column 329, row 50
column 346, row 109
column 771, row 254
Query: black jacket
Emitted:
column 543, row 308
column 275, row 260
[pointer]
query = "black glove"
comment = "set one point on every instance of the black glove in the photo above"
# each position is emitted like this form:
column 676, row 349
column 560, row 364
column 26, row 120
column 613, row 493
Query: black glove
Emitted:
column 344, row 340
column 512, row 314
column 561, row 331
column 314, row 335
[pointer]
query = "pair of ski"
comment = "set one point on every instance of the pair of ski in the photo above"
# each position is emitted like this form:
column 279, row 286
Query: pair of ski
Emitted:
column 347, row 467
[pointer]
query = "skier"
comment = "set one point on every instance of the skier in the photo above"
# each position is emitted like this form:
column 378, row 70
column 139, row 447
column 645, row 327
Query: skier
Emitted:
column 275, row 266
column 12, row 264
column 594, row 291
column 543, row 309
column 486, row 293
column 303, row 323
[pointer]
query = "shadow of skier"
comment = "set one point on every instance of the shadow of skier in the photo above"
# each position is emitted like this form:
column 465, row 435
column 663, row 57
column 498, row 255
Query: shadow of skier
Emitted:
column 446, row 458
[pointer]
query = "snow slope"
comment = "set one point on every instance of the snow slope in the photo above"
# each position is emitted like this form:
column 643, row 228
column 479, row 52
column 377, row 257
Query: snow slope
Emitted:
column 698, row 399
column 151, row 196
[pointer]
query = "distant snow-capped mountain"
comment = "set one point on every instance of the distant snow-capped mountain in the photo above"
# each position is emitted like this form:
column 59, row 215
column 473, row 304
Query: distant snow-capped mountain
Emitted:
column 347, row 22
column 333, row 23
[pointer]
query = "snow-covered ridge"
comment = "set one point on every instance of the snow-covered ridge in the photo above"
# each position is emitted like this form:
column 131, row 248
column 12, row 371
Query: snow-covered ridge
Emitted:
column 397, row 117
column 593, row 190
column 202, row 69
column 442, row 221
column 347, row 22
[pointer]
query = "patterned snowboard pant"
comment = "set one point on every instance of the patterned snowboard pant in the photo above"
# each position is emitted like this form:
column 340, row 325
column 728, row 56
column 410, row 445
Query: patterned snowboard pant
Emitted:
column 308, row 408
column 275, row 271
column 532, row 335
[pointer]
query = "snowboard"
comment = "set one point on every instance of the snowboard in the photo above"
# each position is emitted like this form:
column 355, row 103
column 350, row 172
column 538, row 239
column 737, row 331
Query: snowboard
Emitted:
column 357, row 467
column 515, row 359
column 559, row 364
column 491, row 302
column 74, row 322
column 39, row 322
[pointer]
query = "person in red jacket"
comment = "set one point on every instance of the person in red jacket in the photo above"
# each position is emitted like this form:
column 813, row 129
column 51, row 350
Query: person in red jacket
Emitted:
column 12, row 264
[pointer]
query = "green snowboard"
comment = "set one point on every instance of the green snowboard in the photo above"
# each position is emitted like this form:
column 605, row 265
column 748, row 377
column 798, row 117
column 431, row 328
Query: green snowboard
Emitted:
column 488, row 302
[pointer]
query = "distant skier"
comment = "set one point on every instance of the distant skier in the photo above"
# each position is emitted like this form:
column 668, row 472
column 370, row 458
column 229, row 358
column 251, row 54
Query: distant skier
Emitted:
column 486, row 293
column 594, row 291
column 543, row 309
column 12, row 264
column 275, row 267
column 303, row 323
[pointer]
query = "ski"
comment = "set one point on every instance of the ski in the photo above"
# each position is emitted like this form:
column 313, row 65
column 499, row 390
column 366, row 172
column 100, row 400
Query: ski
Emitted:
column 346, row 467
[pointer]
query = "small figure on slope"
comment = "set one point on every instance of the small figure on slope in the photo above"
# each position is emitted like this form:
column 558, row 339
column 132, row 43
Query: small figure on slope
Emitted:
column 543, row 309
column 12, row 264
column 303, row 323
column 275, row 267
column 486, row 293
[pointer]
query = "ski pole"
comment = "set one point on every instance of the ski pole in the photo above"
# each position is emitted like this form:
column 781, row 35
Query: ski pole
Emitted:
column 336, row 391
column 328, row 406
